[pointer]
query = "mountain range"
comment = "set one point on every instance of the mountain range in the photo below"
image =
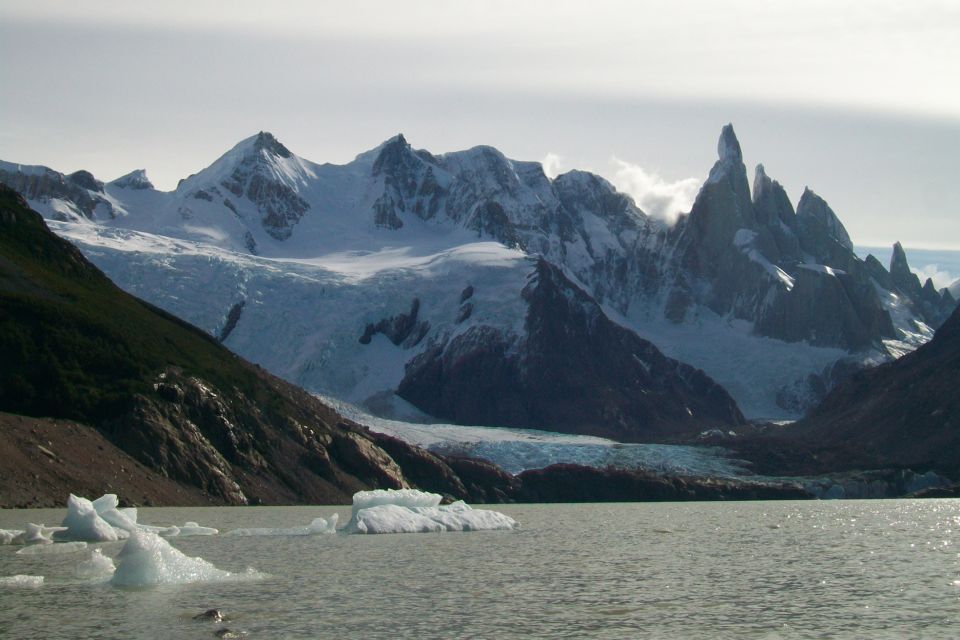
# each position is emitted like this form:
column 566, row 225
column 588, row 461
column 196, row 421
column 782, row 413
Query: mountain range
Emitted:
column 472, row 288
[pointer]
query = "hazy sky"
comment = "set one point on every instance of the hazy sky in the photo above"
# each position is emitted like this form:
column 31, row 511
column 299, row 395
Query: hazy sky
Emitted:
column 858, row 100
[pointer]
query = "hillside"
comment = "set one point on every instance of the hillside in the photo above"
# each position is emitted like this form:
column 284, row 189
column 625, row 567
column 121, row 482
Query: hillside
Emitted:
column 75, row 347
column 902, row 414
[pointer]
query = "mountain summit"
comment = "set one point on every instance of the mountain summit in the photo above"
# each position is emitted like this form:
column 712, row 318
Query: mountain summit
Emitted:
column 393, row 239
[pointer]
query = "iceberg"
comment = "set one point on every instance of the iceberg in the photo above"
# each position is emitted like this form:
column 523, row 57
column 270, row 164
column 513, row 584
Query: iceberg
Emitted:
column 84, row 523
column 97, row 567
column 412, row 511
column 318, row 526
column 21, row 581
column 392, row 518
column 147, row 559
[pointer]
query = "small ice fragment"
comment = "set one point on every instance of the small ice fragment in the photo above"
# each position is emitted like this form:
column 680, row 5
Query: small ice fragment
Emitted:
column 21, row 581
column 317, row 526
column 164, row 532
column 84, row 523
column 96, row 567
column 194, row 529
column 52, row 549
column 36, row 534
column 147, row 559
column 7, row 536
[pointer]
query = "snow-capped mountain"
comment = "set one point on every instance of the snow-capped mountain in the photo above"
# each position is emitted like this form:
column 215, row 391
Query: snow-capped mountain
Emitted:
column 483, row 291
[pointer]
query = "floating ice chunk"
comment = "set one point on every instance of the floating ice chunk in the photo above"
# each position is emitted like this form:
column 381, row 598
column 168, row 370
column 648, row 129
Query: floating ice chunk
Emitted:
column 392, row 518
column 96, row 567
column 21, row 581
column 164, row 532
column 400, row 497
column 7, row 536
column 36, row 534
column 194, row 529
column 147, row 559
column 52, row 549
column 411, row 511
column 84, row 523
column 460, row 516
column 318, row 526
column 106, row 507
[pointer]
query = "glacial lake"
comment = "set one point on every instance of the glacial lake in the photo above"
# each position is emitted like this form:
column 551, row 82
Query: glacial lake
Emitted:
column 848, row 569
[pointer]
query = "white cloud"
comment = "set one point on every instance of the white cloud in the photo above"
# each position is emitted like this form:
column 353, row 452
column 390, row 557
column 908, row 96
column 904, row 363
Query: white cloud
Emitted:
column 552, row 165
column 658, row 197
column 940, row 278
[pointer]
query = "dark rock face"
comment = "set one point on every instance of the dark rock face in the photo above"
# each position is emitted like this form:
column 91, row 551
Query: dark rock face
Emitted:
column 901, row 414
column 136, row 180
column 574, row 371
column 750, row 258
column 79, row 188
column 574, row 483
column 233, row 317
column 929, row 305
column 401, row 329
column 279, row 204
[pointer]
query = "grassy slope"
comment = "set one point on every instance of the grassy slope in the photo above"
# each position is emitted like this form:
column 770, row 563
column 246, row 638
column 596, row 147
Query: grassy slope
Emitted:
column 74, row 345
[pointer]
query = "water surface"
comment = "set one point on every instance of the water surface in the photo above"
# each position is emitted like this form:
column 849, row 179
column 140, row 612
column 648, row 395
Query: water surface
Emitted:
column 857, row 569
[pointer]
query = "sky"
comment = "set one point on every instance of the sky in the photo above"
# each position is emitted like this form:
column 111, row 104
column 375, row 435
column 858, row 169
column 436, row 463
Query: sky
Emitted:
column 857, row 100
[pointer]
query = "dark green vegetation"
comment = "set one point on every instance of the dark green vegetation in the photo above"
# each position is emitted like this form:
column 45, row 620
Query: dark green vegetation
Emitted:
column 74, row 345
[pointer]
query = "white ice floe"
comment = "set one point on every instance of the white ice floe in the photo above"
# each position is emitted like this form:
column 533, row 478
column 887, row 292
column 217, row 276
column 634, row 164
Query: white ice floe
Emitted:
column 21, row 581
column 97, row 567
column 411, row 511
column 164, row 532
column 84, row 523
column 194, row 529
column 52, row 549
column 147, row 559
column 318, row 526
column 36, row 534
column 409, row 498
column 7, row 536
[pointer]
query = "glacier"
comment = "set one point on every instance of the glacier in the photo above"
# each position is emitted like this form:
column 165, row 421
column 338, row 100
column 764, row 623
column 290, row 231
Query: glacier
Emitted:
column 338, row 277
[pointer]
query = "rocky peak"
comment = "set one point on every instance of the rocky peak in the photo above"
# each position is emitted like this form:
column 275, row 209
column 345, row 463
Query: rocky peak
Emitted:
column 728, row 147
column 136, row 179
column 85, row 180
column 899, row 267
column 394, row 154
column 818, row 227
column 269, row 176
column 265, row 141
